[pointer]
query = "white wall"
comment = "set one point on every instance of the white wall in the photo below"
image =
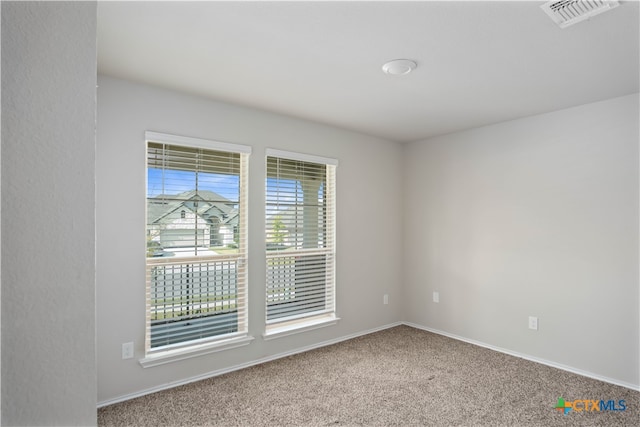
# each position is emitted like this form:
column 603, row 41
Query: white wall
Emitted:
column 533, row 217
column 48, row 209
column 369, row 240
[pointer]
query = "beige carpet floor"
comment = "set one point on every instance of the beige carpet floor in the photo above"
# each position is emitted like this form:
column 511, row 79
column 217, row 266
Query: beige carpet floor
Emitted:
column 397, row 377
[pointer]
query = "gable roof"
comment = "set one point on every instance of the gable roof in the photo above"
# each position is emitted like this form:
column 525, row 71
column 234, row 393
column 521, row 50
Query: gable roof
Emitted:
column 211, row 205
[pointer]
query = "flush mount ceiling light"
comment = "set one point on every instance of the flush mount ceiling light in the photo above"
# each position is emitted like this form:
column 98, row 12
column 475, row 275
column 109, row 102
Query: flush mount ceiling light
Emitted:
column 399, row 67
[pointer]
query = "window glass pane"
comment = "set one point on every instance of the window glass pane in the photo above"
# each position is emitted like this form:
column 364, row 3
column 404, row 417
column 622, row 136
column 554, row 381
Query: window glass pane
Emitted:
column 299, row 240
column 295, row 204
column 196, row 255
column 192, row 201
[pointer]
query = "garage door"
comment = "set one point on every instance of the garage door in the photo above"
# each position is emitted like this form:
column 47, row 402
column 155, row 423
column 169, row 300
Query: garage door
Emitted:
column 183, row 238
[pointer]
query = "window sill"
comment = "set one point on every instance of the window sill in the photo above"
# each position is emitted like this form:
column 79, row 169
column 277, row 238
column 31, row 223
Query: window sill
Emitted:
column 295, row 327
column 171, row 356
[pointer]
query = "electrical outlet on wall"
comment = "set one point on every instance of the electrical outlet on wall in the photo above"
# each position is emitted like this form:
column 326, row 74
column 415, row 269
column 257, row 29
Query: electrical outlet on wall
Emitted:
column 533, row 323
column 127, row 350
column 436, row 296
column 385, row 299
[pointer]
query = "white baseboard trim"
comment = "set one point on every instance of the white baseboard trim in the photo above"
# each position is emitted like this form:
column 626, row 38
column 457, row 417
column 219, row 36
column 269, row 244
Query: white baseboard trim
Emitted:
column 222, row 371
column 573, row 370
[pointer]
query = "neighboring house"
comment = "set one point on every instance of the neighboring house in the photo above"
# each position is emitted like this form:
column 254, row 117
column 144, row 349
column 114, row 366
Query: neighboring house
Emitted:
column 191, row 219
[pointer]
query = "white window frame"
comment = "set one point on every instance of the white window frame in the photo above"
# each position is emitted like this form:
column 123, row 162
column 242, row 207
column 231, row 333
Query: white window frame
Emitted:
column 297, row 323
column 187, row 349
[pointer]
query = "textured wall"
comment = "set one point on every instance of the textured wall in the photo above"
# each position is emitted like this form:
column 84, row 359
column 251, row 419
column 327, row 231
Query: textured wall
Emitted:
column 48, row 213
column 533, row 217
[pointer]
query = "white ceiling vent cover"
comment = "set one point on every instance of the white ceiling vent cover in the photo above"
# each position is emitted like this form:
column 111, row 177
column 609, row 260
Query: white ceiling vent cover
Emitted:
column 569, row 12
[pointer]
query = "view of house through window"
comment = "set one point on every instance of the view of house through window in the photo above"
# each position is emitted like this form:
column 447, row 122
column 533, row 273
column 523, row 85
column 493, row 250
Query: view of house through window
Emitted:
column 300, row 243
column 196, row 246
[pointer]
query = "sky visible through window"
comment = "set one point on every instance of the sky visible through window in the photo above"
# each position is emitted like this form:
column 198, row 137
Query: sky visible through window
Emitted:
column 172, row 182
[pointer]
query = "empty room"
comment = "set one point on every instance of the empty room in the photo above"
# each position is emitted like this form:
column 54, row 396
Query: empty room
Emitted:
column 320, row 213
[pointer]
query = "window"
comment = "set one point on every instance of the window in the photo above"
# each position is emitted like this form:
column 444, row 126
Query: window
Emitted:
column 196, row 260
column 300, row 241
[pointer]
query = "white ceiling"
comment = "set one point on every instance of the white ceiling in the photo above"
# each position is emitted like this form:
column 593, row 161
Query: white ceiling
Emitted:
column 478, row 62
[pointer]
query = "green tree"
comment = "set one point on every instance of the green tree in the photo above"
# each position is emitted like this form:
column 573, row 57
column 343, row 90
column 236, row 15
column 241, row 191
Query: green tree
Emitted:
column 278, row 230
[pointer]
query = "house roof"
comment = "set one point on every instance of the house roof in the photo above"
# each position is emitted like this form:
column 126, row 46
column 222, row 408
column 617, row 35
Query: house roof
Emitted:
column 186, row 195
column 210, row 205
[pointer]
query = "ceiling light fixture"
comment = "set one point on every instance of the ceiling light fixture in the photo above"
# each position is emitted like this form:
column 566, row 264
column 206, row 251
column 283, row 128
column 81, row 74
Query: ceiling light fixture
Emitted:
column 399, row 67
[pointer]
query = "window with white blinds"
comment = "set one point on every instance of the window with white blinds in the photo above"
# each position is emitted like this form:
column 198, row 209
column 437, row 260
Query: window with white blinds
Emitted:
column 300, row 239
column 196, row 258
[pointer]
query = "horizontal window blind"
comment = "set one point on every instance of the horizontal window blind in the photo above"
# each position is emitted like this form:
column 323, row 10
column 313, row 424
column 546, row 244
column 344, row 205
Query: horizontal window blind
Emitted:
column 300, row 240
column 196, row 245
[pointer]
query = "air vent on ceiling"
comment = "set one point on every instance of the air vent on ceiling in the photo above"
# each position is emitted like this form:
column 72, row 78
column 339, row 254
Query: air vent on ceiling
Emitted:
column 569, row 12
